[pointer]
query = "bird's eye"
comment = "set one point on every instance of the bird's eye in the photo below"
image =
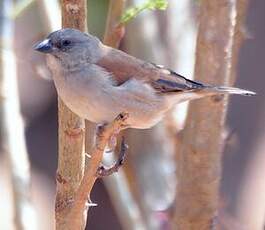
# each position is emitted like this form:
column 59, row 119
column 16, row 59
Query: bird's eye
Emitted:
column 66, row 43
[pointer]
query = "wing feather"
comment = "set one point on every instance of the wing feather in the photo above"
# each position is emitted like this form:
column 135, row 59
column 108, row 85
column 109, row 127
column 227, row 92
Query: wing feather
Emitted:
column 124, row 67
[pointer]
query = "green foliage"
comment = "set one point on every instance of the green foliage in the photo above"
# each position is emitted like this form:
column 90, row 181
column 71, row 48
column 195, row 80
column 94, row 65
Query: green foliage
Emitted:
column 148, row 5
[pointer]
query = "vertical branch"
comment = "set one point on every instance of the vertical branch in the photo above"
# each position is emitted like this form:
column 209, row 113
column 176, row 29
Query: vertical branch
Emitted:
column 13, row 140
column 114, row 29
column 75, row 177
column 74, row 14
column 199, row 150
column 71, row 160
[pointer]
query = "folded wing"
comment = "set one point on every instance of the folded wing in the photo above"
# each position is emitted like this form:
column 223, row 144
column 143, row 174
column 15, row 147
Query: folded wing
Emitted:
column 124, row 67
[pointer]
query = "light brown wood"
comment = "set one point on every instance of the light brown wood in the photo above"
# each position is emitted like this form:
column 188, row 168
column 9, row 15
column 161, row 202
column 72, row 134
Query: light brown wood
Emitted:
column 71, row 158
column 199, row 155
column 114, row 31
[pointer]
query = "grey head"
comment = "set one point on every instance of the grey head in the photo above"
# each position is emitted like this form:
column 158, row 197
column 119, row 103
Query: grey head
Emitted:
column 71, row 46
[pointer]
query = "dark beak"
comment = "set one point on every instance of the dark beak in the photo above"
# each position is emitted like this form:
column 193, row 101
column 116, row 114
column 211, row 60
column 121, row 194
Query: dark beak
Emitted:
column 44, row 46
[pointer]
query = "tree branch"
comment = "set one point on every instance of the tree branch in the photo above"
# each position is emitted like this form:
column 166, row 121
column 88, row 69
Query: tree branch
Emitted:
column 80, row 202
column 71, row 160
column 114, row 28
column 199, row 153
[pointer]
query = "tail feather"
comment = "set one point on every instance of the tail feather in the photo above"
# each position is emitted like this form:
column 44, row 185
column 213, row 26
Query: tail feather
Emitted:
column 208, row 90
column 228, row 90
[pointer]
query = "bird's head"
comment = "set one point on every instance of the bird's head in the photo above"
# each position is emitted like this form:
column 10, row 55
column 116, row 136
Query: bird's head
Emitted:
column 70, row 45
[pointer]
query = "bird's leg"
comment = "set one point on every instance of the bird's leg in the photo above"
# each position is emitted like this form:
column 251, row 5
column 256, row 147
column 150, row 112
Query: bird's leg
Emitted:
column 103, row 171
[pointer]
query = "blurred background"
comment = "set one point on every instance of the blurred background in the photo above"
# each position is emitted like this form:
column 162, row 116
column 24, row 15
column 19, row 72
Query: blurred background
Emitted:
column 163, row 37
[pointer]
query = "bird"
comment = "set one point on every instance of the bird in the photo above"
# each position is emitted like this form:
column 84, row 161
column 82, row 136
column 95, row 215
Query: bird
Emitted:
column 98, row 82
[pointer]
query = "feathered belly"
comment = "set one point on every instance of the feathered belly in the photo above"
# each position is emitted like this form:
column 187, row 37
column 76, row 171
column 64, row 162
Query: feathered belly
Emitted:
column 104, row 105
column 104, row 109
column 97, row 100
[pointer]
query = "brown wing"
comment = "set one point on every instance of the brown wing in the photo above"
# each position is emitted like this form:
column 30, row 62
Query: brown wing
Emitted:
column 124, row 67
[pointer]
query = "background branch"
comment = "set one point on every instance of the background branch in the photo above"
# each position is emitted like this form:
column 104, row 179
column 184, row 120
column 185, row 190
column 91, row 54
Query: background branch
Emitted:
column 198, row 155
column 114, row 31
column 12, row 126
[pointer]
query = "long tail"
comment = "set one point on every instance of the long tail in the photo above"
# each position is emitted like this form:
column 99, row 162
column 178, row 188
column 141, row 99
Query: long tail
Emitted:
column 208, row 90
column 212, row 90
